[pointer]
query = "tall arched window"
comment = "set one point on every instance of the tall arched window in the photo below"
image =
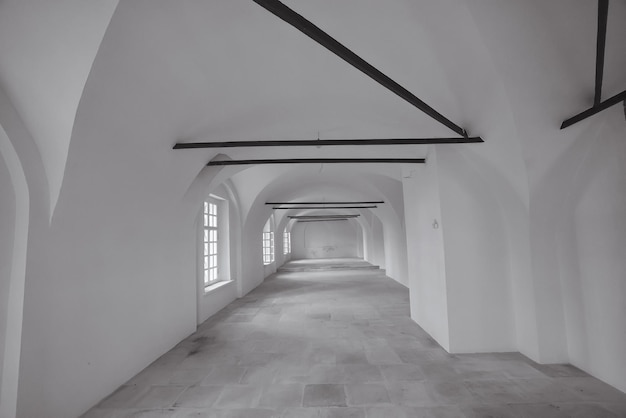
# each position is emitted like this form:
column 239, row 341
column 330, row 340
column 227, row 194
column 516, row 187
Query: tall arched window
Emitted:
column 268, row 243
column 286, row 242
column 210, row 247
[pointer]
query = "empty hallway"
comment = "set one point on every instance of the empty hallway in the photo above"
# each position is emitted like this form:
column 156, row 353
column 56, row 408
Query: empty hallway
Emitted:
column 340, row 343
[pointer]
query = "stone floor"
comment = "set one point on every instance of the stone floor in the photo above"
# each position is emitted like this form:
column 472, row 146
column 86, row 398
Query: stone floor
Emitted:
column 341, row 344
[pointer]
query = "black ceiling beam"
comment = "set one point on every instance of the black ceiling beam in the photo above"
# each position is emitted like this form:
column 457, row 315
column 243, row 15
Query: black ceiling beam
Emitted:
column 323, row 220
column 320, row 161
column 603, row 11
column 309, row 29
column 326, row 207
column 328, row 142
column 620, row 97
column 373, row 202
column 324, row 216
column 598, row 104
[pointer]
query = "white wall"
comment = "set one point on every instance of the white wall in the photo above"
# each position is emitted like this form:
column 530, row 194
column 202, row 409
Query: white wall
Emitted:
column 139, row 261
column 331, row 239
column 111, row 281
column 592, row 257
column 477, row 258
column 425, row 252
column 458, row 256
column 376, row 242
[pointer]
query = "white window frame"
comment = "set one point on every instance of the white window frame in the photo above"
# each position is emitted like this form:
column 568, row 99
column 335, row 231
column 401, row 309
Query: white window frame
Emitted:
column 268, row 248
column 210, row 239
column 286, row 243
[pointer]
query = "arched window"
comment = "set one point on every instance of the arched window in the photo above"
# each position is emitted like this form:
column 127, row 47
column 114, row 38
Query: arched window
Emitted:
column 268, row 242
column 210, row 243
column 286, row 242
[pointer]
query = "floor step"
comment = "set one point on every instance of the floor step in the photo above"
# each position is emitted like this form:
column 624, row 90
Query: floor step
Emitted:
column 326, row 264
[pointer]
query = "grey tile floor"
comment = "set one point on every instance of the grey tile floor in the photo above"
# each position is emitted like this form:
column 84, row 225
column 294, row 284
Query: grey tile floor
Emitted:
column 341, row 344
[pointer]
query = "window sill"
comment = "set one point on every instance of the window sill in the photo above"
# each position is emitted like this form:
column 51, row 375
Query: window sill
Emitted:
column 216, row 286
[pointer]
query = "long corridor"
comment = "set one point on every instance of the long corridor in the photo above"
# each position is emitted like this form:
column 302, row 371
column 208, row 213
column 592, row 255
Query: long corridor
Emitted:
column 341, row 344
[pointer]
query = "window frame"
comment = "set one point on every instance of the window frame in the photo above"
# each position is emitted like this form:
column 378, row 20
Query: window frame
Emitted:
column 268, row 248
column 210, row 244
column 286, row 243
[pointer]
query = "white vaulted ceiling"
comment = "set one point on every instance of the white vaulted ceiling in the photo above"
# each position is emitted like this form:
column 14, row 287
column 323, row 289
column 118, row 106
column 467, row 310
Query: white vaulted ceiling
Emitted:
column 226, row 71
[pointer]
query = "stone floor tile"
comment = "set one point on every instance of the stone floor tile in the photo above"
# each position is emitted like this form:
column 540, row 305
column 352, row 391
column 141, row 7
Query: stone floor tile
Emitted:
column 382, row 355
column 498, row 391
column 301, row 412
column 238, row 397
column 563, row 410
column 99, row 413
column 282, row 395
column 325, row 373
column 124, row 397
column 397, row 372
column 224, row 375
column 439, row 412
column 592, row 389
column 248, row 413
column 352, row 357
column 361, row 373
column 450, row 392
column 492, row 411
column 324, row 395
column 259, row 375
column 159, row 397
column 410, row 394
column 547, row 390
column 520, row 370
column 370, row 394
column 196, row 413
column 198, row 397
column 438, row 371
column 389, row 411
column 146, row 413
column 187, row 377
column 349, row 412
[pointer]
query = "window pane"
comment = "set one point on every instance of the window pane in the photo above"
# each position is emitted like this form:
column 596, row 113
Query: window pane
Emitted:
column 206, row 249
column 206, row 220
column 206, row 262
column 206, row 207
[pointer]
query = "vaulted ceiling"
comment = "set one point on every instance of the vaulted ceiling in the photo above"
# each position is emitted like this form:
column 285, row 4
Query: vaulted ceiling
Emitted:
column 161, row 72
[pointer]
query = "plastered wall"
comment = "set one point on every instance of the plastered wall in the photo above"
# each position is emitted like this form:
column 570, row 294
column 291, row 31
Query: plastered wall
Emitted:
column 332, row 239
